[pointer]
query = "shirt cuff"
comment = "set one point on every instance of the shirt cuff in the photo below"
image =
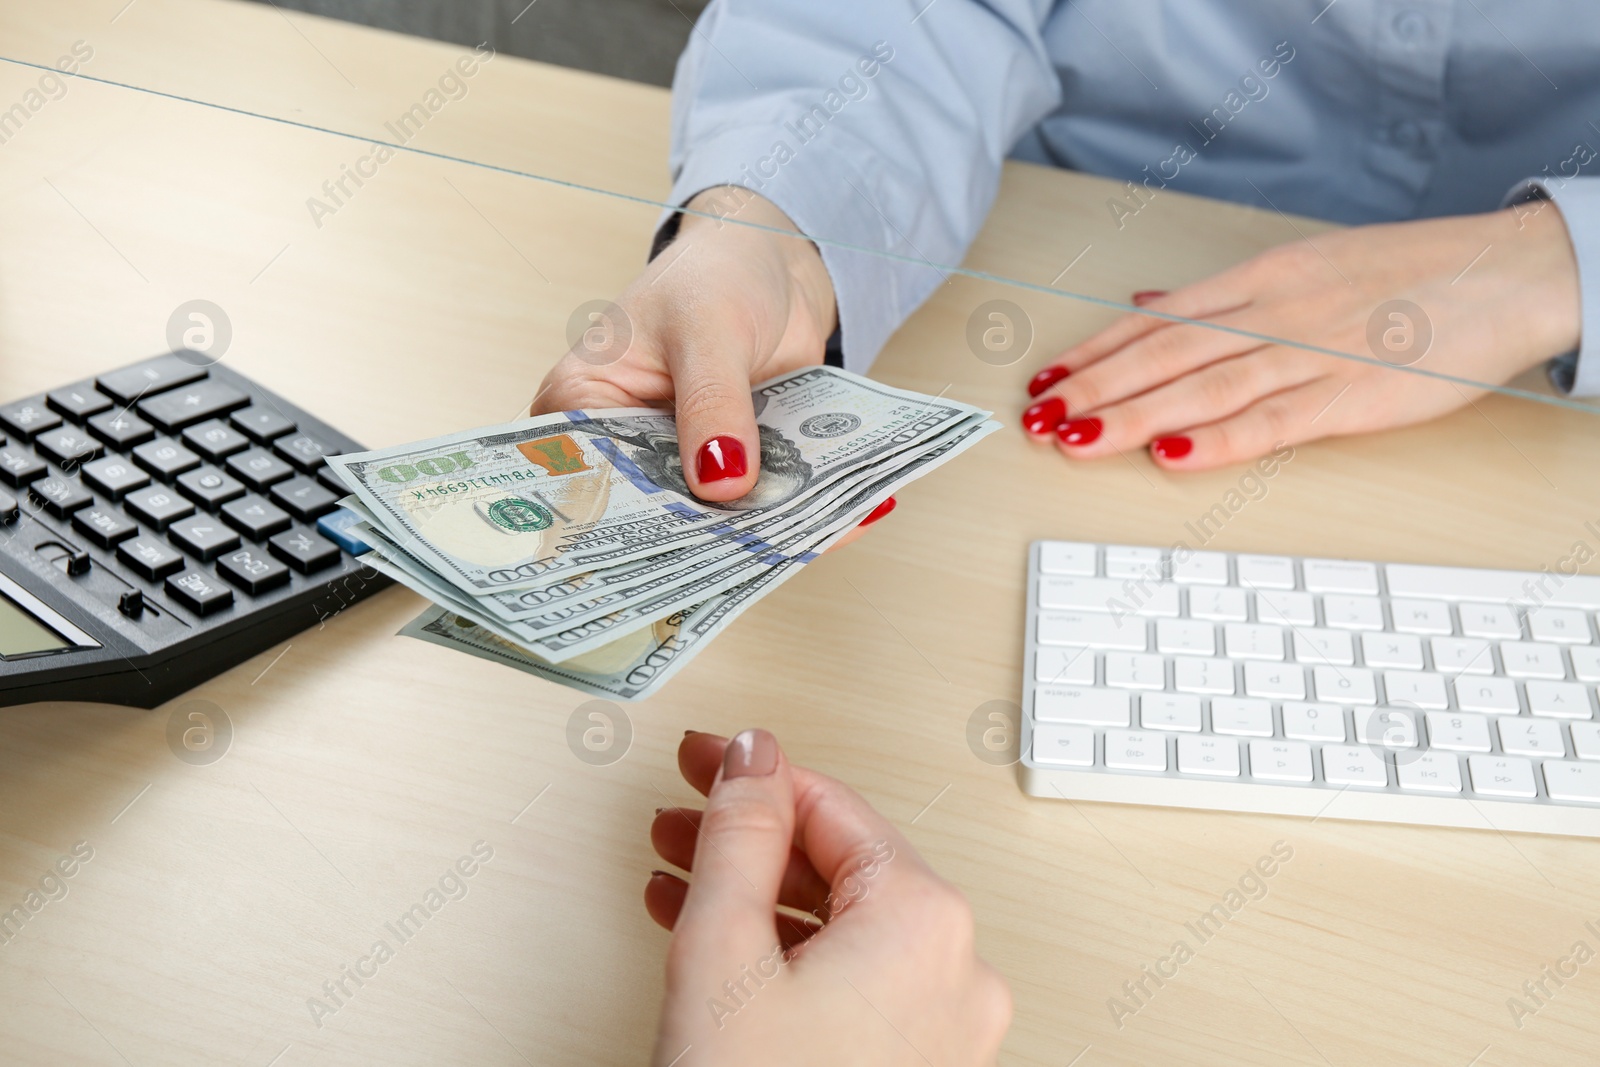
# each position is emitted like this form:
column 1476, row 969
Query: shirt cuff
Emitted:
column 1578, row 200
column 830, row 197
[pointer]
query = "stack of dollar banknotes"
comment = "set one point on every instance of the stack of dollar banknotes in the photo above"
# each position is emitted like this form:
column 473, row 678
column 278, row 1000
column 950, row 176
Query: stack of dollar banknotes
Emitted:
column 570, row 546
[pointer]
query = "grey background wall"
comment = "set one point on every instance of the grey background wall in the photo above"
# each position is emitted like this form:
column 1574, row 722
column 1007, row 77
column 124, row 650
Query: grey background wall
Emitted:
column 636, row 39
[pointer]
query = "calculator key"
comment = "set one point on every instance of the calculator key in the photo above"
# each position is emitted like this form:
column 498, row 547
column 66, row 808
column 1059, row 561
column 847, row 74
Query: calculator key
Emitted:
column 262, row 422
column 149, row 376
column 157, row 506
column 1063, row 746
column 8, row 507
column 115, row 476
column 1502, row 776
column 189, row 404
column 200, row 593
column 103, row 526
column 1430, row 772
column 121, row 429
column 203, row 536
column 1353, row 765
column 1213, row 756
column 209, row 487
column 256, row 517
column 335, row 526
column 28, row 417
column 308, row 553
column 259, row 468
column 149, row 558
column 328, row 478
column 252, row 570
column 305, row 497
column 1280, row 761
column 59, row 496
column 67, row 447
column 304, row 451
column 1135, row 750
column 19, row 468
column 215, row 440
column 165, row 458
column 1564, row 780
column 78, row 402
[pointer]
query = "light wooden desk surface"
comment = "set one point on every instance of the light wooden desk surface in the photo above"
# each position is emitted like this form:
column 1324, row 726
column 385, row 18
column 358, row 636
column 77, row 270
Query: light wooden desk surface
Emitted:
column 220, row 898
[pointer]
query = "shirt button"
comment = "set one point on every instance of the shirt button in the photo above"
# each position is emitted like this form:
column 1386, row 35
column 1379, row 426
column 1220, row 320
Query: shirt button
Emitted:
column 1406, row 134
column 1410, row 26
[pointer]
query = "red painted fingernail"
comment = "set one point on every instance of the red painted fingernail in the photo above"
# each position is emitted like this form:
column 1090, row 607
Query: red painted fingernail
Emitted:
column 878, row 512
column 1045, row 379
column 1172, row 447
column 1080, row 431
column 1045, row 416
column 1144, row 296
column 720, row 458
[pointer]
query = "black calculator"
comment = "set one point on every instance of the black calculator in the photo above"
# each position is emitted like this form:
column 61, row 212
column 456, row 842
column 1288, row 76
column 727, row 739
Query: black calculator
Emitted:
column 159, row 524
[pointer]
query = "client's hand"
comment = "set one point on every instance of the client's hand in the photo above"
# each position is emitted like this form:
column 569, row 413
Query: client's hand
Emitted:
column 722, row 307
column 1500, row 292
column 889, row 977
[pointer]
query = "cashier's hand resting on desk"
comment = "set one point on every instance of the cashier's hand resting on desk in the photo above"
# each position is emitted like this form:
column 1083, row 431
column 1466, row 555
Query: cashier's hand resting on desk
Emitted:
column 892, row 977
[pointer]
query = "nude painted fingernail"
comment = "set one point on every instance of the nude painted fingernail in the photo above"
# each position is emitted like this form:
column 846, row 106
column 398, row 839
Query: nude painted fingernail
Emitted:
column 751, row 754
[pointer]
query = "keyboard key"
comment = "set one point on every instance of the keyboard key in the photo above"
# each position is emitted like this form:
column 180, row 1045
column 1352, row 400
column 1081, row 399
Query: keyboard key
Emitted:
column 1313, row 722
column 121, row 429
column 59, row 496
column 304, row 451
column 1430, row 772
column 256, row 517
column 157, row 506
column 67, row 447
column 259, row 468
column 304, row 498
column 1389, row 728
column 1216, row 757
column 1245, row 640
column 1353, row 765
column 252, row 570
column 1564, row 780
column 1345, row 685
column 1324, row 646
column 78, row 402
column 1559, row 700
column 1106, row 595
column 1561, row 625
column 336, row 526
column 1218, row 605
column 1063, row 746
column 1421, row 616
column 150, row 376
column 1280, row 761
column 1502, row 776
column 165, row 458
column 1528, row 659
column 1274, row 680
column 1190, row 675
column 1415, row 689
column 1080, row 630
column 199, row 592
column 1489, row 620
column 215, row 439
column 1081, row 705
column 1458, row 732
column 209, row 487
column 1339, row 576
column 1132, row 561
column 1265, row 572
column 1069, row 666
column 19, row 468
column 149, row 558
column 1353, row 612
column 189, row 404
column 1127, row 670
column 263, row 422
column 1585, row 740
column 114, row 476
column 202, row 536
column 1182, row 636
column 1585, row 661
column 1286, row 609
column 1243, row 717
column 308, row 553
column 25, row 418
column 1391, row 650
column 1127, row 750
column 1522, row 736
column 1201, row 568
column 1169, row 711
column 1462, row 655
column 1495, row 695
column 1067, row 557
column 103, row 526
column 1496, row 587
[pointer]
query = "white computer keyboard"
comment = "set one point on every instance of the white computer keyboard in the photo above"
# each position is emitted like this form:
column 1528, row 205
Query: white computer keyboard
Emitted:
column 1318, row 687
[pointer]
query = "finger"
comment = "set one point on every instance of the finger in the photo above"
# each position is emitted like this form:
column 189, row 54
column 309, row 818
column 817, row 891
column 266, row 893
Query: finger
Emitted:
column 1270, row 425
column 1214, row 296
column 675, row 831
column 717, row 435
column 1158, row 357
column 861, row 527
column 664, row 895
column 739, row 859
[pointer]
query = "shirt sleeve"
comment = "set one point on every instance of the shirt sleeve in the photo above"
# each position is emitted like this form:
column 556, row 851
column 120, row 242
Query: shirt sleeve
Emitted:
column 880, row 126
column 1578, row 200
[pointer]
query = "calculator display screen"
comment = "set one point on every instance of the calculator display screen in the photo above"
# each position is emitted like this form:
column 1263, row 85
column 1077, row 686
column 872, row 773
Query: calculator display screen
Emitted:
column 21, row 634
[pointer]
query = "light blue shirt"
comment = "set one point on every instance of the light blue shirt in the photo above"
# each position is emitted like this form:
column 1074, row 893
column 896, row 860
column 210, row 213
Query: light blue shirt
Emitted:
column 883, row 123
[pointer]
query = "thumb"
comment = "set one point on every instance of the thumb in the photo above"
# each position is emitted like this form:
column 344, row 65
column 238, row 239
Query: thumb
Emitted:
column 717, row 434
column 739, row 860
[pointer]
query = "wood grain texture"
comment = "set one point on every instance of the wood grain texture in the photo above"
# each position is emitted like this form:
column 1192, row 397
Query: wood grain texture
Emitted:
column 220, row 898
